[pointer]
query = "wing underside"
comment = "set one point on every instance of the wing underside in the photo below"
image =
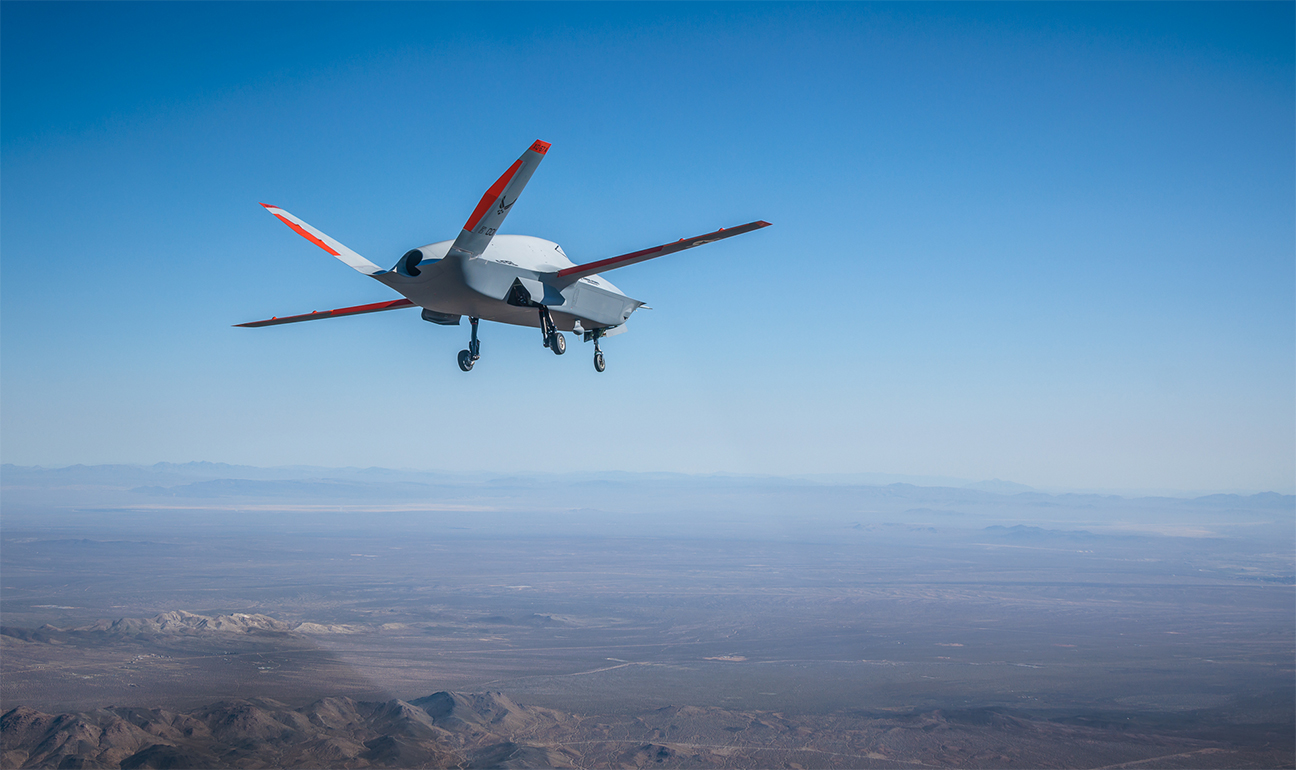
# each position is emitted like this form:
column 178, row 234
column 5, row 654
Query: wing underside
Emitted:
column 376, row 307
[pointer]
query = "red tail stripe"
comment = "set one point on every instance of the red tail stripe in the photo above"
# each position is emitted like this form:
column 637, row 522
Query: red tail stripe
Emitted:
column 491, row 195
column 302, row 232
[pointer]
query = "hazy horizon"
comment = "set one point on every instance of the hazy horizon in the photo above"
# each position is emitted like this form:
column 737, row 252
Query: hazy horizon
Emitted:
column 995, row 485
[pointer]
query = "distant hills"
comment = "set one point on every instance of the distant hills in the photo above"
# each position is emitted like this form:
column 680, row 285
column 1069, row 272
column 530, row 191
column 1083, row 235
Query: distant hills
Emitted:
column 178, row 622
column 227, row 498
column 207, row 480
column 1000, row 486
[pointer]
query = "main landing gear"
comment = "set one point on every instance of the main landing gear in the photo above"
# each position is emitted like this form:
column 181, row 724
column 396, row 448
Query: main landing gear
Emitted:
column 553, row 338
column 469, row 357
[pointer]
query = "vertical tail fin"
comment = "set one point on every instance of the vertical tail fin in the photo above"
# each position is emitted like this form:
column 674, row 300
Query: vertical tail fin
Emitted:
column 496, row 203
column 318, row 238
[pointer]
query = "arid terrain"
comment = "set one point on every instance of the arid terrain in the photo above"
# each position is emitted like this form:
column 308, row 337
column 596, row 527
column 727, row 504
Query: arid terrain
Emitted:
column 354, row 621
column 490, row 730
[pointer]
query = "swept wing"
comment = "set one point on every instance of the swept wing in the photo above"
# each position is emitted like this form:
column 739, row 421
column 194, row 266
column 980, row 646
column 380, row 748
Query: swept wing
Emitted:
column 376, row 307
column 572, row 274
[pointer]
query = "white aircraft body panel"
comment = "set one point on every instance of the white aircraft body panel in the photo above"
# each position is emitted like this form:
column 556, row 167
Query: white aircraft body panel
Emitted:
column 479, row 286
column 522, row 251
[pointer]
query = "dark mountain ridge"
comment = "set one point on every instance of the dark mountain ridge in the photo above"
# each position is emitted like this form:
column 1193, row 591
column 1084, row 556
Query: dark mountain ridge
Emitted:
column 456, row 730
column 484, row 730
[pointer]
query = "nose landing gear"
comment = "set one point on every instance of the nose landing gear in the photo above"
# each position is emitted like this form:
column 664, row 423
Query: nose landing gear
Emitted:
column 599, row 363
column 469, row 357
column 553, row 338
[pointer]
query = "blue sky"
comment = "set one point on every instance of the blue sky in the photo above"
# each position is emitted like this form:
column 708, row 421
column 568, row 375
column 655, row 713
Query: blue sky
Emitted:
column 1050, row 243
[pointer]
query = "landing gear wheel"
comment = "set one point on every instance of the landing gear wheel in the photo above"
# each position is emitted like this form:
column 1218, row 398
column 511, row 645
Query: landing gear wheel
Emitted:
column 553, row 338
column 469, row 357
column 599, row 364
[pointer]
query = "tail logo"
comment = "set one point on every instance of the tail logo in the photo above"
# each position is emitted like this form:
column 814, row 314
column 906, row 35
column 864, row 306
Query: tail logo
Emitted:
column 504, row 207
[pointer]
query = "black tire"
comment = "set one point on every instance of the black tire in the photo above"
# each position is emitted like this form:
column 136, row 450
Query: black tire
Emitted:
column 599, row 363
column 558, row 343
column 465, row 360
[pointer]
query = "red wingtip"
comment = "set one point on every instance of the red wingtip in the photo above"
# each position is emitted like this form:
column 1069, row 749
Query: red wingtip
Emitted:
column 540, row 147
column 267, row 205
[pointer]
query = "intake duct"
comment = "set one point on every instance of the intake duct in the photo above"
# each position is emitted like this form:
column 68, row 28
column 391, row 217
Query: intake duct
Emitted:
column 408, row 264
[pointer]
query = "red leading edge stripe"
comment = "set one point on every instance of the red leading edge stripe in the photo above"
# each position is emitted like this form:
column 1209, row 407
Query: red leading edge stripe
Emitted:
column 342, row 311
column 603, row 263
column 680, row 245
column 300, row 231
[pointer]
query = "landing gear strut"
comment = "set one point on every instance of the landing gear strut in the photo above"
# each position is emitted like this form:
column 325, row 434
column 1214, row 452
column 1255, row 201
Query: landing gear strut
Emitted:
column 553, row 338
column 469, row 357
column 599, row 363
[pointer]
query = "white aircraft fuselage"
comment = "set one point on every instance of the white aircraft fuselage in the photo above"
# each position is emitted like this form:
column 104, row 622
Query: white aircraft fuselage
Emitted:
column 482, row 287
